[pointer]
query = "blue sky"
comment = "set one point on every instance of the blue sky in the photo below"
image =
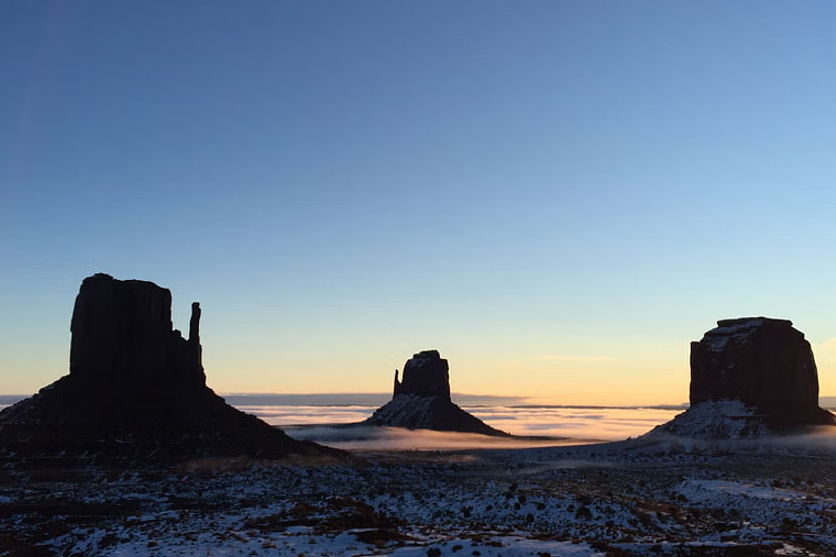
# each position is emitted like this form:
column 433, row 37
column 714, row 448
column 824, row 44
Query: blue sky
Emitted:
column 559, row 196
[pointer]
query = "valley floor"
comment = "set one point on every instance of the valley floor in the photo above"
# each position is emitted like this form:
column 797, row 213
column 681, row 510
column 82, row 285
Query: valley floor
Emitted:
column 636, row 497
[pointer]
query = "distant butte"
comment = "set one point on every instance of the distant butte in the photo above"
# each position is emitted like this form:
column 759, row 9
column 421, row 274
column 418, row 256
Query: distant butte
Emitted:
column 751, row 376
column 136, row 389
column 422, row 400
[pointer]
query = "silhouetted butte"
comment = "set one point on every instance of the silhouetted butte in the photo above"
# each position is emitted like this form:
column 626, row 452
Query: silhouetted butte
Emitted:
column 750, row 376
column 422, row 400
column 136, row 388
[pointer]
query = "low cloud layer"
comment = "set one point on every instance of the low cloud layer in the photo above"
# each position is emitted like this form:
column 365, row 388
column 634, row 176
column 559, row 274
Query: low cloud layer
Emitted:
column 561, row 425
column 609, row 424
column 373, row 438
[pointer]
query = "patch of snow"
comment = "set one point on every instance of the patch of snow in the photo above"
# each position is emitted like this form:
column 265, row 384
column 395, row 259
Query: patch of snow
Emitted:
column 716, row 419
column 789, row 549
column 717, row 338
column 500, row 546
column 696, row 490
column 402, row 411
column 737, row 328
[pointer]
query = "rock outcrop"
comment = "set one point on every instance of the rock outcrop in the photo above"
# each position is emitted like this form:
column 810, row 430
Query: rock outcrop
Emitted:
column 762, row 362
column 422, row 400
column 764, row 366
column 425, row 374
column 136, row 388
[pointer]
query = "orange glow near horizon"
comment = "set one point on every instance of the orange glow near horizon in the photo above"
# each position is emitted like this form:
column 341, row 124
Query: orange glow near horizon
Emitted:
column 624, row 378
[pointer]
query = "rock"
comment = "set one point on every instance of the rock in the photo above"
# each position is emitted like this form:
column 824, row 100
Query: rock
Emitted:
column 425, row 374
column 136, row 388
column 422, row 400
column 766, row 366
column 127, row 362
column 759, row 361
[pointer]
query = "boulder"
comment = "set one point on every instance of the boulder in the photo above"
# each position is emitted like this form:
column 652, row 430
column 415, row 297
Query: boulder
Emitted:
column 422, row 400
column 136, row 388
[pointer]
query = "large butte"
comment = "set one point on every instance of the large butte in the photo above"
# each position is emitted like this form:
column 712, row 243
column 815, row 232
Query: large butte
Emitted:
column 751, row 376
column 422, row 400
column 136, row 389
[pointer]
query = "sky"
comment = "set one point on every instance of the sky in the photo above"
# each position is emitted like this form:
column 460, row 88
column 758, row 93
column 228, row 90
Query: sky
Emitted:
column 558, row 196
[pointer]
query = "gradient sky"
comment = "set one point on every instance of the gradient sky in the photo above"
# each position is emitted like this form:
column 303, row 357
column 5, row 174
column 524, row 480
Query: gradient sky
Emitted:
column 558, row 196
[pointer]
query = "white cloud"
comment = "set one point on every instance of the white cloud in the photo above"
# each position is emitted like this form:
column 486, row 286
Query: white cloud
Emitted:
column 564, row 425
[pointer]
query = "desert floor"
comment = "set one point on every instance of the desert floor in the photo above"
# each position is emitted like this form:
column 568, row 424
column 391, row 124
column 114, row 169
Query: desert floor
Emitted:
column 637, row 497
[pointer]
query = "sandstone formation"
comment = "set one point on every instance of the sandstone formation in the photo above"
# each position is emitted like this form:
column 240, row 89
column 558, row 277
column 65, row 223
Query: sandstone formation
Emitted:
column 425, row 374
column 136, row 388
column 758, row 361
column 422, row 400
column 764, row 368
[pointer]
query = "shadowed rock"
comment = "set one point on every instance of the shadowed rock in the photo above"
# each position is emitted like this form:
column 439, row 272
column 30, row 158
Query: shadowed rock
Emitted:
column 756, row 373
column 758, row 361
column 425, row 374
column 422, row 400
column 136, row 388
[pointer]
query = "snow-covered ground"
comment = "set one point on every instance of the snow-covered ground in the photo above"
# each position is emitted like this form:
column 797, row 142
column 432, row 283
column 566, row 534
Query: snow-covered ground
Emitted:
column 718, row 419
column 638, row 497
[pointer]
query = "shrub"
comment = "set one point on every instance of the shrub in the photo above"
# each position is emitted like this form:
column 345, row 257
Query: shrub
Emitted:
column 583, row 512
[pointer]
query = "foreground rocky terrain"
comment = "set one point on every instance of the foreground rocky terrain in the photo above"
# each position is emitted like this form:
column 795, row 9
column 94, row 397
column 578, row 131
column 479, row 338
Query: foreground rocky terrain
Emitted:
column 637, row 497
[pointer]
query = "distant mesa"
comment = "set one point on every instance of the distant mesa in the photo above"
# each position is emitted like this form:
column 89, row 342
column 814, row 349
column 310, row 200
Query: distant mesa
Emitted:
column 750, row 376
column 422, row 400
column 136, row 388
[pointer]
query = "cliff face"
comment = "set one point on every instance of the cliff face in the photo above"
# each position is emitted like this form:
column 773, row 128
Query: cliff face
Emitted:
column 751, row 376
column 425, row 374
column 136, row 388
column 122, row 334
column 125, row 357
column 758, row 361
column 422, row 400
